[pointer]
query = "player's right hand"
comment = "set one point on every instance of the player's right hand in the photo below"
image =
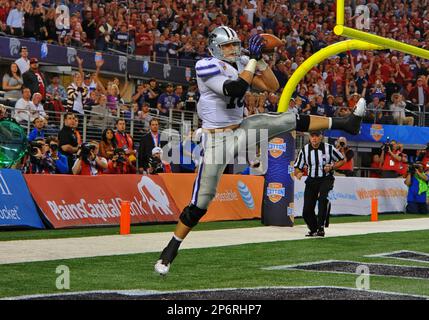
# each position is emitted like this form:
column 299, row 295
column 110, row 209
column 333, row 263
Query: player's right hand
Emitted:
column 256, row 44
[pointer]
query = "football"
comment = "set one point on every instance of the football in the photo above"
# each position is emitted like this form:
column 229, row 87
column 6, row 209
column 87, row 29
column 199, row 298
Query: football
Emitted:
column 271, row 42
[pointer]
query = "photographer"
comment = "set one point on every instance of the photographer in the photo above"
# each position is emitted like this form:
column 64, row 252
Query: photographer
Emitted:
column 89, row 163
column 417, row 189
column 347, row 168
column 156, row 165
column 390, row 159
column 44, row 158
column 119, row 163
column 423, row 157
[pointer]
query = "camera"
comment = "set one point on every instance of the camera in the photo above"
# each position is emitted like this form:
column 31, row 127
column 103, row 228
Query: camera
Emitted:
column 85, row 151
column 342, row 144
column 34, row 148
column 156, row 164
column 54, row 146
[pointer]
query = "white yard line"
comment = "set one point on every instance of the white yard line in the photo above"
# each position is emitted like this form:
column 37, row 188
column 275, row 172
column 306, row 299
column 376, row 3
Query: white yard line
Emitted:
column 56, row 249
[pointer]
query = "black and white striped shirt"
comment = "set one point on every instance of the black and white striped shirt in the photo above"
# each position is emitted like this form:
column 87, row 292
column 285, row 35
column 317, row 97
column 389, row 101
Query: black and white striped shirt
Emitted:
column 316, row 159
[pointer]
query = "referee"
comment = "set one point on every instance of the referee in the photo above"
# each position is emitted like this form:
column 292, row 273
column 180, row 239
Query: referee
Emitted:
column 320, row 159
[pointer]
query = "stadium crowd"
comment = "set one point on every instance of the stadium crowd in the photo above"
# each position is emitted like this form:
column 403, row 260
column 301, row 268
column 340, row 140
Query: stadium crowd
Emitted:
column 176, row 32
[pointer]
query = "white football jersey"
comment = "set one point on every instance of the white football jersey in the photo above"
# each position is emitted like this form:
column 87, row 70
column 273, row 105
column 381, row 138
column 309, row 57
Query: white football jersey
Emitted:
column 214, row 108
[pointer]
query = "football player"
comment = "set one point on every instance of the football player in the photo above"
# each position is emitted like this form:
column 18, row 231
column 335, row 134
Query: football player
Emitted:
column 223, row 80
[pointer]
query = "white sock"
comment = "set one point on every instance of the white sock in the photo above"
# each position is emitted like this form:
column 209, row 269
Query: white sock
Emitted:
column 330, row 123
column 177, row 238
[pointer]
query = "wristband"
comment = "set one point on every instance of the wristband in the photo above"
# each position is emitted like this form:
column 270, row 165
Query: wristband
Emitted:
column 262, row 65
column 251, row 66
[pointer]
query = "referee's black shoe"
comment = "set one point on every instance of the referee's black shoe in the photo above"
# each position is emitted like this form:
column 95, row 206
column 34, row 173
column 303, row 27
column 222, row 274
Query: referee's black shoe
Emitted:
column 311, row 234
column 321, row 232
column 351, row 124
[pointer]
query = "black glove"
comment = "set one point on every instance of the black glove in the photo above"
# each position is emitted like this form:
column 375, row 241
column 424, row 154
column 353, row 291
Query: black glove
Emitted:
column 80, row 89
column 256, row 44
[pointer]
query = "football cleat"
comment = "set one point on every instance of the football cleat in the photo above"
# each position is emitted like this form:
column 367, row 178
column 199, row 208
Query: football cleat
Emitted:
column 161, row 268
column 353, row 122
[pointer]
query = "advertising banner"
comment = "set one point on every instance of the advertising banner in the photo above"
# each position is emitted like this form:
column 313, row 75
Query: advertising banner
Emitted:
column 352, row 195
column 278, row 190
column 383, row 132
column 66, row 56
column 71, row 201
column 17, row 208
column 238, row 196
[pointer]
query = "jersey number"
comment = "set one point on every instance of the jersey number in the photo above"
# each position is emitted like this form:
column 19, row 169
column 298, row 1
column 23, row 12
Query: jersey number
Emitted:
column 235, row 102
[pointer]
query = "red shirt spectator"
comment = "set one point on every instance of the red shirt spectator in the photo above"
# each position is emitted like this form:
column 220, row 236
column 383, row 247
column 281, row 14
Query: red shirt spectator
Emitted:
column 144, row 42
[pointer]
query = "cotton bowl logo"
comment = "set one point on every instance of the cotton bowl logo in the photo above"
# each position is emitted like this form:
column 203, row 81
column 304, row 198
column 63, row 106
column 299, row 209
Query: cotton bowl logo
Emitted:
column 14, row 46
column 376, row 132
column 275, row 192
column 154, row 196
column 246, row 195
column 277, row 147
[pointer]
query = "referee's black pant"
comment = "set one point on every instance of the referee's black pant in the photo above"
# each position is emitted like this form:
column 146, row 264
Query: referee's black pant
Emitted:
column 316, row 189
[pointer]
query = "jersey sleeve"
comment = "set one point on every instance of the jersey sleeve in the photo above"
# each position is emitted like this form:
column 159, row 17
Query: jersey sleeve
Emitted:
column 207, row 68
column 209, row 72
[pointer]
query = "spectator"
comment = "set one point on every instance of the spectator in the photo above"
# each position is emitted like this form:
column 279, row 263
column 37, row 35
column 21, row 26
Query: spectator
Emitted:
column 118, row 164
column 105, row 30
column 25, row 111
column 23, row 62
column 101, row 116
column 33, row 19
column 48, row 27
column 123, row 139
column 12, row 82
column 55, row 91
column 167, row 100
column 375, row 166
column 3, row 111
column 144, row 116
column 108, row 144
column 37, row 102
column 156, row 164
column 34, row 79
column 37, row 132
column 122, row 38
column 144, row 43
column 149, row 141
column 89, row 26
column 398, row 111
column 88, row 162
column 192, row 96
column 68, row 140
column 152, row 93
column 390, row 159
column 417, row 183
column 138, row 97
column 54, row 156
column 160, row 51
column 420, row 93
column 75, row 93
column 15, row 21
column 347, row 169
